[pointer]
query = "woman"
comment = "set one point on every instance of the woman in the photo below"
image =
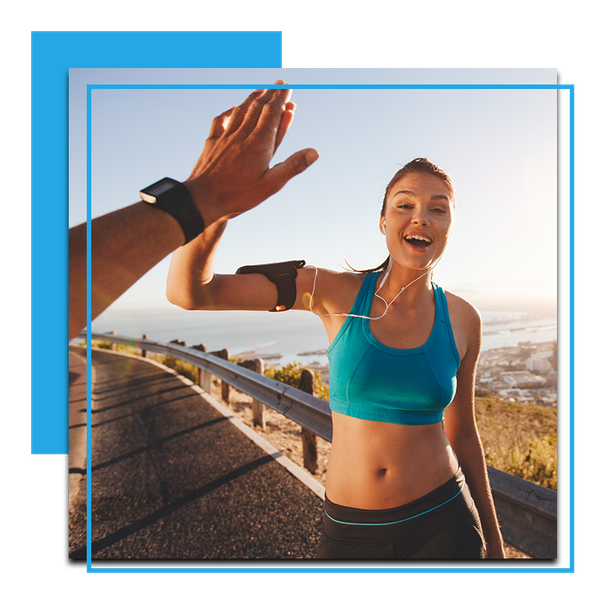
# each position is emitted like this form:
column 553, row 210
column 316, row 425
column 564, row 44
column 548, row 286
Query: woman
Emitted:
column 401, row 483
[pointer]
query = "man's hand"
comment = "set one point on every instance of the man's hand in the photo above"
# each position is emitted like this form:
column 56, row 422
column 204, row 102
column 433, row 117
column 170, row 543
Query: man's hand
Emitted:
column 232, row 174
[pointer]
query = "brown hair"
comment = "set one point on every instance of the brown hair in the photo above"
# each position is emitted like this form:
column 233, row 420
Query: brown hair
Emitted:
column 417, row 165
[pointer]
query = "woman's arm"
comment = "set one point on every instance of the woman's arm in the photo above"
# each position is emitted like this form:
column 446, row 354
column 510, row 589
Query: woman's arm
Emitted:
column 461, row 428
column 192, row 284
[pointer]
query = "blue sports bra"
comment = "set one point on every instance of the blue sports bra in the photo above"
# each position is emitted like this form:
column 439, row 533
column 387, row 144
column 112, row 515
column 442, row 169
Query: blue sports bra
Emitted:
column 374, row 382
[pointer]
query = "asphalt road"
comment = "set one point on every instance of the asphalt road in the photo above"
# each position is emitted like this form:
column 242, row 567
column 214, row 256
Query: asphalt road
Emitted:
column 172, row 478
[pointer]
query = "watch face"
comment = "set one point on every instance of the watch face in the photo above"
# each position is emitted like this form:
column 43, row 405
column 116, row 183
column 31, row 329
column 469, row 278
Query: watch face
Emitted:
column 150, row 193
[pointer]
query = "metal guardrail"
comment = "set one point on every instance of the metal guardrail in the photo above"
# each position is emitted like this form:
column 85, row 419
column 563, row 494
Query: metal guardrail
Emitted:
column 527, row 512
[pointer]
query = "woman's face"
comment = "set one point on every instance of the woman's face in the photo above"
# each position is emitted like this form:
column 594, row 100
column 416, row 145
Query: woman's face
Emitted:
column 418, row 220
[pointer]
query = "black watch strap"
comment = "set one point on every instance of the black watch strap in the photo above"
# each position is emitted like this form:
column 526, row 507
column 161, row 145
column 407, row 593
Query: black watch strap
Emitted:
column 283, row 275
column 173, row 197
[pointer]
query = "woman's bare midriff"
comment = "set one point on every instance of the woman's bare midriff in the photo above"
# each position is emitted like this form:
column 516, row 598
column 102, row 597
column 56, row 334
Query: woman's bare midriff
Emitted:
column 376, row 465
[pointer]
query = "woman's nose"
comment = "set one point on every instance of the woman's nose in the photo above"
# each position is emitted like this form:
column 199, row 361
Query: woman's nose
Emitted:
column 420, row 218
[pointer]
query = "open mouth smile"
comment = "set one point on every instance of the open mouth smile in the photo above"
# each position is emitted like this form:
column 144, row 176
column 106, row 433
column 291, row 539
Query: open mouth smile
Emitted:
column 418, row 241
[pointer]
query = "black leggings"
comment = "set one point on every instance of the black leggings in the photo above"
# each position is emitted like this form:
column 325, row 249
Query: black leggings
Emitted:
column 443, row 524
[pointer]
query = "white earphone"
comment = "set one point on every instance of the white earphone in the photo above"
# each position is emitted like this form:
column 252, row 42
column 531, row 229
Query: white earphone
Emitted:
column 387, row 304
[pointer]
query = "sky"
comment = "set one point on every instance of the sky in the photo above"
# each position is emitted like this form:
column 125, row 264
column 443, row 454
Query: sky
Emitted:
column 499, row 146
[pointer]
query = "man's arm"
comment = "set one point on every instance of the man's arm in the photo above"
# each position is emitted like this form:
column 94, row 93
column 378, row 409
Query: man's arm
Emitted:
column 231, row 176
column 125, row 245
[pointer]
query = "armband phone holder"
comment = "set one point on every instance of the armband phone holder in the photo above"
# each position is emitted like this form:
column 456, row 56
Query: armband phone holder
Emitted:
column 283, row 275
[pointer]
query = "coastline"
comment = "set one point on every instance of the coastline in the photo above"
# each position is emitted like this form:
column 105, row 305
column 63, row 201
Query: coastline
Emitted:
column 295, row 336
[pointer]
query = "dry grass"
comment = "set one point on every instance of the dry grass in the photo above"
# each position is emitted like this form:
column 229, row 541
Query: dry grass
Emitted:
column 519, row 439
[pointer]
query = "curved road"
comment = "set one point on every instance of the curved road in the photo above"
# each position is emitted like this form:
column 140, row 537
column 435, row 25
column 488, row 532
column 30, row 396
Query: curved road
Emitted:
column 173, row 478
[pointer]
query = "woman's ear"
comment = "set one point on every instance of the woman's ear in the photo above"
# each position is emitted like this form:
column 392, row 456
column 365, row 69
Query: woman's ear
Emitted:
column 382, row 225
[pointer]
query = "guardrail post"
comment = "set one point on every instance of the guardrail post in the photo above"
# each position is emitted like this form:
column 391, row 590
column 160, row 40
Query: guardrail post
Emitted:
column 224, row 354
column 309, row 439
column 144, row 337
column 203, row 378
column 258, row 416
column 113, row 347
column 258, row 413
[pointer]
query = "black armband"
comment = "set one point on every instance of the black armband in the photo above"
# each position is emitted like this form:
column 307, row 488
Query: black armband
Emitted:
column 283, row 275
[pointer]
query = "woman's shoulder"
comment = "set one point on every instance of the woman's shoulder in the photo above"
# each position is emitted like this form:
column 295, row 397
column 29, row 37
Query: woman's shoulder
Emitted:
column 466, row 323
column 331, row 290
column 463, row 308
column 332, row 279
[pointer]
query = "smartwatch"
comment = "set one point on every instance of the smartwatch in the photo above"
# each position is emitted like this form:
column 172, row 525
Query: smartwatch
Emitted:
column 173, row 197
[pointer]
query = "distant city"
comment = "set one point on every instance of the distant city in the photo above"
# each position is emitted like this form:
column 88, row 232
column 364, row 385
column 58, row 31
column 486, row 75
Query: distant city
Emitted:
column 525, row 373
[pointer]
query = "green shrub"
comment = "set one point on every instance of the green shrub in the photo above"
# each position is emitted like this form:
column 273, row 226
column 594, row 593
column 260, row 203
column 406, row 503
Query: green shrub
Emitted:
column 519, row 439
column 290, row 375
column 537, row 463
column 182, row 367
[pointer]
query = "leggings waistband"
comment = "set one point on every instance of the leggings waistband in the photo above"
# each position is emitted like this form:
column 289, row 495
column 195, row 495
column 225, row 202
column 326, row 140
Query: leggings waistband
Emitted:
column 441, row 496
column 441, row 524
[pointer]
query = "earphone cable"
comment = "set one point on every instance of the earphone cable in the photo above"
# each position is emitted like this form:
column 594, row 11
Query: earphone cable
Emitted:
column 387, row 305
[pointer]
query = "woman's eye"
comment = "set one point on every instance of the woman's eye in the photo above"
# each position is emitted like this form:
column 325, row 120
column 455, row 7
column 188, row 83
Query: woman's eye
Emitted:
column 439, row 210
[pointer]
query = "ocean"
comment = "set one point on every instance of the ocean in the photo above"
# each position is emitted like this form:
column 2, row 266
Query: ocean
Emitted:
column 281, row 338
